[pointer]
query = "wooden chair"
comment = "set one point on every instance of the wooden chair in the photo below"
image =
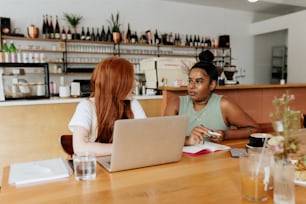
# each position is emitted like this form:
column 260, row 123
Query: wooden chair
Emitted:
column 66, row 143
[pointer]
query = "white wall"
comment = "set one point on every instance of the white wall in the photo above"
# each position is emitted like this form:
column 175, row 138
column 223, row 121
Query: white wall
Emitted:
column 295, row 25
column 148, row 14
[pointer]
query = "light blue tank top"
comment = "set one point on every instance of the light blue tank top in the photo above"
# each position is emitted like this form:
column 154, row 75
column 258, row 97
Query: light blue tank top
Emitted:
column 210, row 116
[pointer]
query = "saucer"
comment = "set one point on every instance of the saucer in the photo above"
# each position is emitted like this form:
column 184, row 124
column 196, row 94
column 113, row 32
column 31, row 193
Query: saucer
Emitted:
column 249, row 146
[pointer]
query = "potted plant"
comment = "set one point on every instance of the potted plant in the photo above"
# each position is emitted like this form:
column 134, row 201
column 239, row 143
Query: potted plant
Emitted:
column 115, row 27
column 74, row 20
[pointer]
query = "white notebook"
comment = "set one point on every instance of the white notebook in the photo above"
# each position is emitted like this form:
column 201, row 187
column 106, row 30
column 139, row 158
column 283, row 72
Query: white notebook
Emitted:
column 36, row 171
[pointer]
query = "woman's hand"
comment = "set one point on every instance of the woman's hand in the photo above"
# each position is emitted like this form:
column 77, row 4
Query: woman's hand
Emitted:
column 217, row 136
column 197, row 135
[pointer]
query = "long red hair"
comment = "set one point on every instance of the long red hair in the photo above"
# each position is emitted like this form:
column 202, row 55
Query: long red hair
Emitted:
column 111, row 81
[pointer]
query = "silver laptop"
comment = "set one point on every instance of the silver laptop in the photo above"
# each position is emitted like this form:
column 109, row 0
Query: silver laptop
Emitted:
column 146, row 142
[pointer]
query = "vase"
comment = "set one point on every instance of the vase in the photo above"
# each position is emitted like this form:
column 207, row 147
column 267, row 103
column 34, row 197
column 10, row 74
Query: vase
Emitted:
column 116, row 37
column 284, row 182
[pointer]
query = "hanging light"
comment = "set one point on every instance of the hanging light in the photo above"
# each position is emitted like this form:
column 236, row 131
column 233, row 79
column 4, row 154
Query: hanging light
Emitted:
column 252, row 1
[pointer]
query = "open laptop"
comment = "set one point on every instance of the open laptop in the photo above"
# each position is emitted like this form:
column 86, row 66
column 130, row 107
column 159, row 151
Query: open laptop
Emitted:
column 146, row 142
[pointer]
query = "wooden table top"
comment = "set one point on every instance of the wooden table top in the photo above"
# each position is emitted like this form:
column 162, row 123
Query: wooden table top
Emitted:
column 209, row 178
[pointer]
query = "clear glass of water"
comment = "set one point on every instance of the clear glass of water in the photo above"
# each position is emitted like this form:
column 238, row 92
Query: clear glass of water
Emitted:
column 84, row 165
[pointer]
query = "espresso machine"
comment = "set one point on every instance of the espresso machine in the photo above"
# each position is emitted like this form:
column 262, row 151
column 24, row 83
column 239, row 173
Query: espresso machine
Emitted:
column 229, row 72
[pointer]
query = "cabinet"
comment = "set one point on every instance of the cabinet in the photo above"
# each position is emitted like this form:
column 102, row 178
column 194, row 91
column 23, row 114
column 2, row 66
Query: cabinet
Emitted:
column 25, row 80
column 279, row 64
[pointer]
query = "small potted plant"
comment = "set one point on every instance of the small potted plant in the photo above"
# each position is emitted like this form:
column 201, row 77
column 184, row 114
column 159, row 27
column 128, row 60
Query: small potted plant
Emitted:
column 115, row 27
column 74, row 20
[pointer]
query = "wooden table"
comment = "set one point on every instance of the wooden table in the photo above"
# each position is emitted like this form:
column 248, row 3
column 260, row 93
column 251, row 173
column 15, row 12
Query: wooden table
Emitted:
column 210, row 178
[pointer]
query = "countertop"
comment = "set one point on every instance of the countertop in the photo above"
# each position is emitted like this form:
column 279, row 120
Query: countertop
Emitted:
column 58, row 100
column 228, row 87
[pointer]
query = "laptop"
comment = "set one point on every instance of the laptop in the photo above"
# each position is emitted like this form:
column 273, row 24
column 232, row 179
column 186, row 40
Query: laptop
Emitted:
column 146, row 142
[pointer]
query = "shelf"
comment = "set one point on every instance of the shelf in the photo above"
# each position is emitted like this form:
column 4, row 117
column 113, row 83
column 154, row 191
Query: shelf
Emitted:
column 86, row 52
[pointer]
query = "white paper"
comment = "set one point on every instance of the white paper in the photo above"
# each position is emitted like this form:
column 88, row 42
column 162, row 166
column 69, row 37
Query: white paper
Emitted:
column 207, row 145
column 43, row 170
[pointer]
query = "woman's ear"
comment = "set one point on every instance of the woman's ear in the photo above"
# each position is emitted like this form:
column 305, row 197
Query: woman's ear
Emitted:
column 212, row 85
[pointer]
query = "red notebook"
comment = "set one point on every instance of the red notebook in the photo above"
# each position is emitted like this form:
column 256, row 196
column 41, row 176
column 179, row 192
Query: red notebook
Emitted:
column 205, row 148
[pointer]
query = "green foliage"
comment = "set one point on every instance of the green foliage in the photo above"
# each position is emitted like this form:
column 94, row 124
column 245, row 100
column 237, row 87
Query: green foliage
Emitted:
column 114, row 22
column 73, row 19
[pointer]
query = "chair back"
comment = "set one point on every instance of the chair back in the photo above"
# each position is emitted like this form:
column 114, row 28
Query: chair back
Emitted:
column 66, row 143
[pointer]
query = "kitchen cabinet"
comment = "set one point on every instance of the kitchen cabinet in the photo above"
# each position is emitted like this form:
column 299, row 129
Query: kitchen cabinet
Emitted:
column 279, row 64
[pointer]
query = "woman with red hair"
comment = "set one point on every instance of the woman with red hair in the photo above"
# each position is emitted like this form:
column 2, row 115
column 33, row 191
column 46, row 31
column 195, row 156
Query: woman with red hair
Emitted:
column 112, row 85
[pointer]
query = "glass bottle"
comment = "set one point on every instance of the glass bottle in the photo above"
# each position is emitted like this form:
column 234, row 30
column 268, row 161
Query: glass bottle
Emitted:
column 13, row 52
column 51, row 28
column 47, row 30
column 128, row 34
column 83, row 35
column 69, row 34
column 98, row 36
column 57, row 34
column 6, row 51
column 63, row 34
column 103, row 35
column 92, row 36
column 43, row 29
column 88, row 34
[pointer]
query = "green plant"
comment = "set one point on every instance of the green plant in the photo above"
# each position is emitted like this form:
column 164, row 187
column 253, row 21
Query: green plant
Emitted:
column 74, row 20
column 114, row 22
column 285, row 122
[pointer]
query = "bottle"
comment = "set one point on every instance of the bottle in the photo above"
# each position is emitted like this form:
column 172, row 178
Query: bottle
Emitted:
column 88, row 34
column 47, row 32
column 51, row 28
column 98, row 36
column 109, row 37
column 194, row 40
column 179, row 41
column 128, row 34
column 136, row 37
column 57, row 31
column 92, row 36
column 69, row 34
column 63, row 35
column 43, row 29
column 190, row 40
column 13, row 52
column 6, row 51
column 103, row 35
column 83, row 35
column 170, row 39
column 156, row 38
column 186, row 40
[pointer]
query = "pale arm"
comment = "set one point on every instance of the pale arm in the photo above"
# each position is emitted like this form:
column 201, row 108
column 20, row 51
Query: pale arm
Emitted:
column 81, row 145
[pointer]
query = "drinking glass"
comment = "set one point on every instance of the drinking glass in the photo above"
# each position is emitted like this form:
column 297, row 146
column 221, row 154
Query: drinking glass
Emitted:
column 84, row 166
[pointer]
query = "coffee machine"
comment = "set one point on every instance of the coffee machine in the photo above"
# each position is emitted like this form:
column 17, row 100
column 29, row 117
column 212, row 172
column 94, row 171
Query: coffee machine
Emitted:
column 229, row 72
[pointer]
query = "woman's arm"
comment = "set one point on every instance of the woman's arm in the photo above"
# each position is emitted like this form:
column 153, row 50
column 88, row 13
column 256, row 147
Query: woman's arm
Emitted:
column 173, row 105
column 234, row 116
column 80, row 143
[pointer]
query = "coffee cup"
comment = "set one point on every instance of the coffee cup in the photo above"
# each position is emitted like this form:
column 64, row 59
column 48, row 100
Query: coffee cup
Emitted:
column 258, row 139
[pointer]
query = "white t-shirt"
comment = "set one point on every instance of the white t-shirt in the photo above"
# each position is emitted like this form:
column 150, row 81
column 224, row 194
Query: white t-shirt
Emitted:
column 83, row 115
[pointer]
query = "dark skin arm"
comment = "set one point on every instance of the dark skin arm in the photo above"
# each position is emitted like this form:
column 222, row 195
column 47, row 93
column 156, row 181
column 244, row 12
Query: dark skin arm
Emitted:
column 242, row 124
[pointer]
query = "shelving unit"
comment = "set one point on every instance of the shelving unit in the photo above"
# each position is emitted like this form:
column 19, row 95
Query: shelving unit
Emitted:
column 279, row 64
column 81, row 56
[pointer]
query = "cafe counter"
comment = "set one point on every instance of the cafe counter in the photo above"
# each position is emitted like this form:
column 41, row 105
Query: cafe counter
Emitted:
column 256, row 99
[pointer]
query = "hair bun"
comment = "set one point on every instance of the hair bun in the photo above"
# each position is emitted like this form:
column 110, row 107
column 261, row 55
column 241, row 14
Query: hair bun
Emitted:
column 206, row 56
